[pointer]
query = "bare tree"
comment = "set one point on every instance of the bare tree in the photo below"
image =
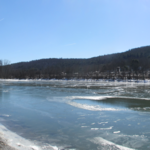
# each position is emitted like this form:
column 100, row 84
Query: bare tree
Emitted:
column 5, row 68
column 1, row 64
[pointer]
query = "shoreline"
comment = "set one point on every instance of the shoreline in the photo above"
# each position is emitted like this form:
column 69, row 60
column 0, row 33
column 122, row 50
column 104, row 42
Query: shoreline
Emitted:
column 4, row 145
column 10, row 140
column 85, row 80
column 77, row 79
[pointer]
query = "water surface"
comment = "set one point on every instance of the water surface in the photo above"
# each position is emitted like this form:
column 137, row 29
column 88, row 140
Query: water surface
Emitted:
column 81, row 115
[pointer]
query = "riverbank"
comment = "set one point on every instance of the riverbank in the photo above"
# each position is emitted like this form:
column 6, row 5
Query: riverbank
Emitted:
column 4, row 145
column 82, row 79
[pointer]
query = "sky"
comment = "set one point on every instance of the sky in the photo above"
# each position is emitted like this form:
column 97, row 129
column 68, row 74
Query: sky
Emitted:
column 37, row 29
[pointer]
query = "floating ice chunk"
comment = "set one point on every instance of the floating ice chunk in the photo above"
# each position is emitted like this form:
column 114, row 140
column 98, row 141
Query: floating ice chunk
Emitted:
column 55, row 148
column 93, row 108
column 34, row 147
column 94, row 128
column 91, row 97
column 19, row 144
column 92, row 123
column 106, row 128
column 49, row 147
column 102, row 122
column 116, row 132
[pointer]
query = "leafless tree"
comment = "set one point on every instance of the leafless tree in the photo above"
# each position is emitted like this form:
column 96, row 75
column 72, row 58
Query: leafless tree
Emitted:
column 5, row 68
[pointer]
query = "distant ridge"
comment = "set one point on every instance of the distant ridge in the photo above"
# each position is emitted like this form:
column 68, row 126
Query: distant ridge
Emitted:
column 100, row 63
column 134, row 62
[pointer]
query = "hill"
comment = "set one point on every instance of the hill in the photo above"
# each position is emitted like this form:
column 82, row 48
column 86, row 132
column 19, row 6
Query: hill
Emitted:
column 137, row 59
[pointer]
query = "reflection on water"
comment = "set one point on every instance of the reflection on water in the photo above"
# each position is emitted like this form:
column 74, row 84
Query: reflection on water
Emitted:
column 67, row 114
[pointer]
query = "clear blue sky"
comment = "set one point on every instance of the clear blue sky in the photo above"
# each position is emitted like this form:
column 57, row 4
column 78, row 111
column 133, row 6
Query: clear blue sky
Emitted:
column 36, row 29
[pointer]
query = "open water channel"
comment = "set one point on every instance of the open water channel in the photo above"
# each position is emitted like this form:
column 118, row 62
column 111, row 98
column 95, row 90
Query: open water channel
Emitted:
column 75, row 115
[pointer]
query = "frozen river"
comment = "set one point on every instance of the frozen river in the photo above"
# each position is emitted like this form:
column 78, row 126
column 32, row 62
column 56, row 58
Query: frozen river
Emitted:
column 75, row 115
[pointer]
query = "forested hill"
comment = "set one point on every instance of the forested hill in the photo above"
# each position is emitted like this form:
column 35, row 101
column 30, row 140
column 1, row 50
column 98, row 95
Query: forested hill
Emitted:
column 125, row 60
column 134, row 59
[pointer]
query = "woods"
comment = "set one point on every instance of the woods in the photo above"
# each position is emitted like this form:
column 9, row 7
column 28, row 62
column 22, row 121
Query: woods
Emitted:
column 134, row 63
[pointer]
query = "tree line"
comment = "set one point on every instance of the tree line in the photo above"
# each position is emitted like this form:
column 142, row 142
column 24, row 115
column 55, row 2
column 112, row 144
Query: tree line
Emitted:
column 135, row 60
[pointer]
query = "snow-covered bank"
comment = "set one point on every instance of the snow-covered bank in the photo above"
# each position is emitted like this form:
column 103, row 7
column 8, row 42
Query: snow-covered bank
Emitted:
column 4, row 145
column 11, row 141
column 15, row 141
column 83, row 80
